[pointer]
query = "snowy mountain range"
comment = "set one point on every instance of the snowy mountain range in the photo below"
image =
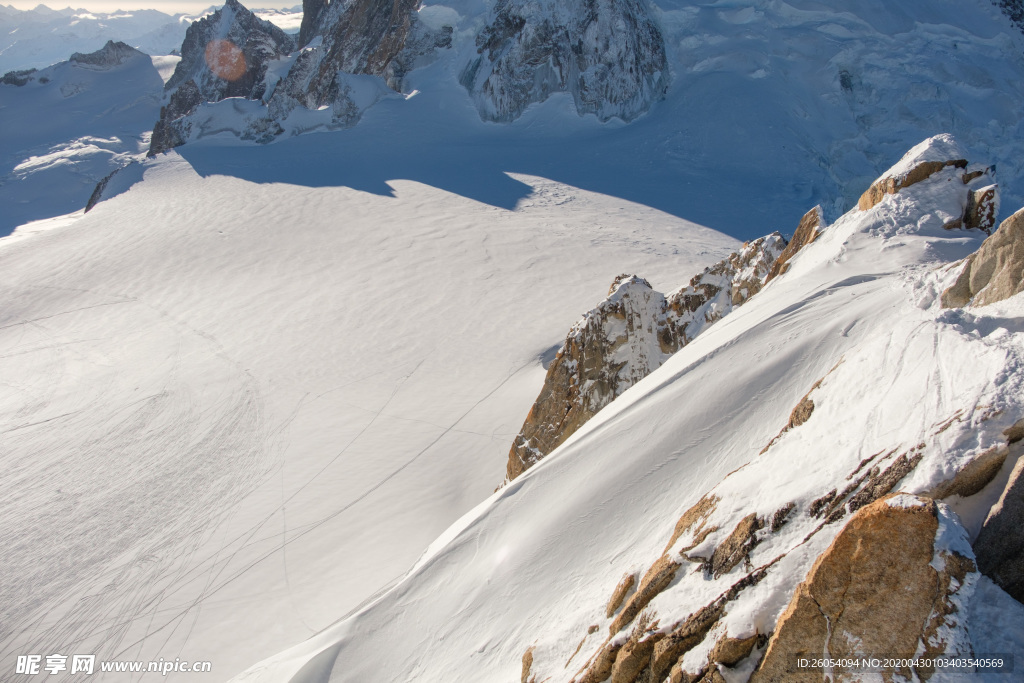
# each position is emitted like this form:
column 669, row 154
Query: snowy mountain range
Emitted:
column 262, row 402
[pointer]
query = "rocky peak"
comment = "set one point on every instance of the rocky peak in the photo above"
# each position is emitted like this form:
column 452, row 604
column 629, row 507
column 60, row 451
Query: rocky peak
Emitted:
column 626, row 337
column 110, row 55
column 608, row 54
column 223, row 55
column 227, row 55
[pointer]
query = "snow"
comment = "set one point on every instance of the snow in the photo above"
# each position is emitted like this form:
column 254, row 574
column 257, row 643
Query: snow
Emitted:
column 608, row 498
column 246, row 392
column 96, row 121
column 40, row 37
column 290, row 390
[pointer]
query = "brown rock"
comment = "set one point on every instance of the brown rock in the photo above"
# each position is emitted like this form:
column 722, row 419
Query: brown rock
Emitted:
column 893, row 184
column 873, row 591
column 994, row 272
column 628, row 336
column 802, row 412
column 619, row 594
column 730, row 651
column 982, row 205
column 601, row 669
column 736, row 547
column 807, row 231
column 684, row 638
column 527, row 665
column 880, row 483
column 1000, row 544
column 635, row 655
column 974, row 476
column 694, row 519
column 657, row 579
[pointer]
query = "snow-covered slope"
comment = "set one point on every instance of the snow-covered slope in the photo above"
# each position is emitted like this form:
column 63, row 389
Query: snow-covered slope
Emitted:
column 233, row 410
column 897, row 393
column 69, row 125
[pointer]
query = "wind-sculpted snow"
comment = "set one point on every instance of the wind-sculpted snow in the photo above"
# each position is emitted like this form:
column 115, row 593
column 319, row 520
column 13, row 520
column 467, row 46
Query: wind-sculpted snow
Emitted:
column 233, row 411
column 608, row 54
column 761, row 455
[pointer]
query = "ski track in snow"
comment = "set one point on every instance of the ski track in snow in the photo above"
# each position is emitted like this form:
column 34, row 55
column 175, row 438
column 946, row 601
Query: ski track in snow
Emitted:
column 177, row 411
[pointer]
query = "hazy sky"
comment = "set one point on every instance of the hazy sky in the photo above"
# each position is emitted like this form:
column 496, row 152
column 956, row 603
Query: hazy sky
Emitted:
column 168, row 6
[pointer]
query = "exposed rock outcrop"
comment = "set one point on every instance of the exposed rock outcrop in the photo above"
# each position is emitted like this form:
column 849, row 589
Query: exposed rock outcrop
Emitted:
column 18, row 78
column 875, row 590
column 110, row 55
column 918, row 164
column 1014, row 9
column 608, row 54
column 229, row 54
column 807, row 231
column 359, row 37
column 224, row 55
column 980, row 201
column 628, row 336
column 1000, row 544
column 994, row 272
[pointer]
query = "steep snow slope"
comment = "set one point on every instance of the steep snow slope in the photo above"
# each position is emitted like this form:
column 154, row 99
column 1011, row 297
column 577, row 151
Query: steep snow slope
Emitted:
column 70, row 125
column 856, row 322
column 234, row 410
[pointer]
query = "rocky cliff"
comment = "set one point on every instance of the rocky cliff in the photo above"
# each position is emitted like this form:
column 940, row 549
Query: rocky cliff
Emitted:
column 224, row 55
column 608, row 54
column 229, row 54
column 628, row 336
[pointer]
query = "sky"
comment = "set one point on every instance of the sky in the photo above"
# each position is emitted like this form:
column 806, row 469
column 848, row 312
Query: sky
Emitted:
column 168, row 6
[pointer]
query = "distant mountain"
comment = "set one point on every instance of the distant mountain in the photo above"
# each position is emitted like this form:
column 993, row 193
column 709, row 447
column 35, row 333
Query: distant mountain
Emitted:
column 40, row 37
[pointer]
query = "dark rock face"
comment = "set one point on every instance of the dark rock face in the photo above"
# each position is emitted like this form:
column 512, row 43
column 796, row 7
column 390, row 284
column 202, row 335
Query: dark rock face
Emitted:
column 1000, row 544
column 311, row 11
column 110, row 55
column 1013, row 9
column 224, row 55
column 609, row 54
column 227, row 55
column 18, row 78
column 628, row 336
